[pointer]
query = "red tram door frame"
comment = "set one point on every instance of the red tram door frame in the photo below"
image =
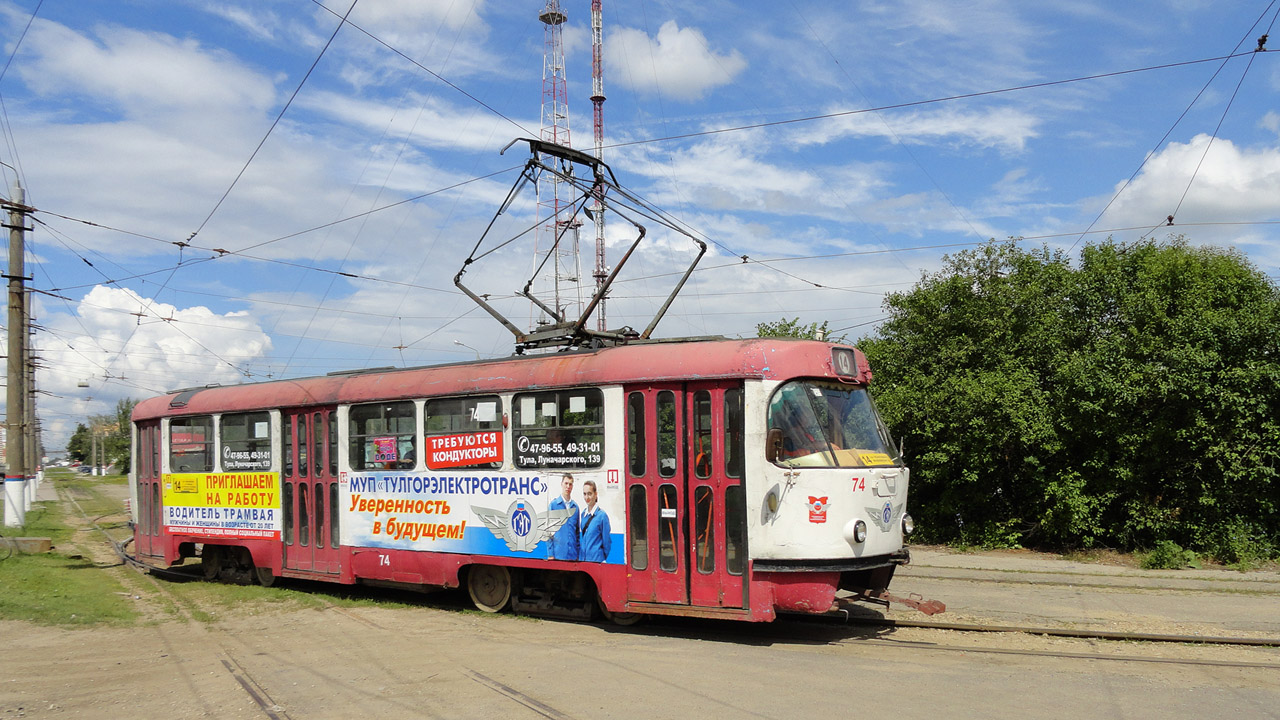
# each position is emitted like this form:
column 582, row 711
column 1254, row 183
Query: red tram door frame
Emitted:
column 712, row 580
column 665, row 442
column 309, row 490
column 147, row 531
column 656, row 559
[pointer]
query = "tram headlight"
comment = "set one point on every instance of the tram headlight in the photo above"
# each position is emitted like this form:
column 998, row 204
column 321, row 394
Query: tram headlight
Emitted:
column 860, row 531
column 908, row 525
column 771, row 502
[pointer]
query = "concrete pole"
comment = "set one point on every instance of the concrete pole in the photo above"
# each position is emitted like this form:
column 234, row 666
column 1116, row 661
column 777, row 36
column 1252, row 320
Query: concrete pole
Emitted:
column 15, row 486
column 93, row 450
column 29, row 410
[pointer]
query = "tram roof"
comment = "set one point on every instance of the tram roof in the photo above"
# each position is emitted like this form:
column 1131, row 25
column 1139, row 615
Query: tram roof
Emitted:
column 661, row 361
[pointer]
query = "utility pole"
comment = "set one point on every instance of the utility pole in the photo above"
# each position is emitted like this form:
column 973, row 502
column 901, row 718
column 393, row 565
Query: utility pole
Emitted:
column 31, row 446
column 15, row 476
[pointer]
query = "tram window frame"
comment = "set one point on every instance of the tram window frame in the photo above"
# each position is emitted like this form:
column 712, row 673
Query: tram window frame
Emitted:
column 286, row 496
column 668, row 439
column 318, row 444
column 704, row 445
column 286, row 445
column 237, row 432
column 360, row 448
column 735, row 428
column 704, row 529
column 636, row 450
column 304, row 515
column 668, row 529
column 332, row 419
column 735, row 529
column 558, row 436
column 194, row 450
column 334, row 532
column 319, row 495
column 458, row 416
column 639, row 513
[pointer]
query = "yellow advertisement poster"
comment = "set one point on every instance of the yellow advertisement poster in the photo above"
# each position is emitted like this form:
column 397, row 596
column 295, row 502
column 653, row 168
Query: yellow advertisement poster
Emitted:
column 224, row 505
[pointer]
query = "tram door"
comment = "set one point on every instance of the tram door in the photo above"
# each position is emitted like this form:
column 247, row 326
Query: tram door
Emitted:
column 309, row 490
column 717, row 506
column 656, row 559
column 147, row 472
column 685, row 503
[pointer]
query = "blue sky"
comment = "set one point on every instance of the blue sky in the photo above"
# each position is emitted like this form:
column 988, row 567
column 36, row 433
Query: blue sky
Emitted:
column 138, row 115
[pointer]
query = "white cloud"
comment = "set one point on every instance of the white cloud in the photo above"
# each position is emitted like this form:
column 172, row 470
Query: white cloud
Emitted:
column 141, row 73
column 428, row 121
column 119, row 354
column 405, row 17
column 1007, row 129
column 677, row 63
column 1270, row 121
column 1233, row 184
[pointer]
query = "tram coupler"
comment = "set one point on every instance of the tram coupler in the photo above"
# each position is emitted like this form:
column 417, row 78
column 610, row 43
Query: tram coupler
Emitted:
column 915, row 601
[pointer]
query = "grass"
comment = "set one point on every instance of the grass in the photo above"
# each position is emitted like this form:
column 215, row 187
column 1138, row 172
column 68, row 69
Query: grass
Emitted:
column 63, row 588
column 56, row 589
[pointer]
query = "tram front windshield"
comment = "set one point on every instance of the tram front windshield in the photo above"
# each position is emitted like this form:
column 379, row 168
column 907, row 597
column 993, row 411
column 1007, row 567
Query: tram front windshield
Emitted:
column 827, row 424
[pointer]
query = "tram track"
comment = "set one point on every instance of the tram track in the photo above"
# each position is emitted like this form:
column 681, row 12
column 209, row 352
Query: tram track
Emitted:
column 1226, row 585
column 782, row 631
column 243, row 678
column 1113, row 635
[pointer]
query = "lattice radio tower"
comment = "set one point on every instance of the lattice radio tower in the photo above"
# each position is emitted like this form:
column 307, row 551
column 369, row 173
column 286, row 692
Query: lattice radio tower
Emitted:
column 597, row 124
column 563, row 271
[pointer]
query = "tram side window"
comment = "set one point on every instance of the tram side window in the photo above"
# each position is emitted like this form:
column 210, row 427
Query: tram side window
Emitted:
column 635, row 435
column 464, row 432
column 667, row 445
column 703, row 457
column 667, row 528
column 734, row 428
column 383, row 436
column 286, row 444
column 704, row 534
column 735, row 529
column 246, row 441
column 559, row 429
column 639, row 513
column 191, row 444
column 334, row 530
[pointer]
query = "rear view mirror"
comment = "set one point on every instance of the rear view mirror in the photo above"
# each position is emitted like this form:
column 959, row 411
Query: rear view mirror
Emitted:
column 773, row 444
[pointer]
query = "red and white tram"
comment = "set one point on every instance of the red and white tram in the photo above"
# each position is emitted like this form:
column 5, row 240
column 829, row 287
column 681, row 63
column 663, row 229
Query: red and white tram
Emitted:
column 720, row 478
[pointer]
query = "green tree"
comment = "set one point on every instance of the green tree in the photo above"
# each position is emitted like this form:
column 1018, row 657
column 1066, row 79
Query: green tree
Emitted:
column 794, row 329
column 78, row 446
column 1125, row 401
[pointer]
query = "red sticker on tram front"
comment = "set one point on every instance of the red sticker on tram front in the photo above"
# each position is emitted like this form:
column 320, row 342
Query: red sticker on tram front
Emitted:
column 817, row 509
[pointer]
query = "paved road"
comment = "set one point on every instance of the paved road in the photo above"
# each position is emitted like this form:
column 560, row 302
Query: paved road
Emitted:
column 1028, row 588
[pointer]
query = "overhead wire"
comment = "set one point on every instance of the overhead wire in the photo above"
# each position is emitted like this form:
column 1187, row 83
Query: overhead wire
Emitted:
column 1146, row 158
column 426, row 69
column 275, row 122
column 11, row 141
column 918, row 103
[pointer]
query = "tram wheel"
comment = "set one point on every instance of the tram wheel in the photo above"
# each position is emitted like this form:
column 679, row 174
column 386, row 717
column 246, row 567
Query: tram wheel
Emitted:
column 264, row 576
column 211, row 561
column 489, row 587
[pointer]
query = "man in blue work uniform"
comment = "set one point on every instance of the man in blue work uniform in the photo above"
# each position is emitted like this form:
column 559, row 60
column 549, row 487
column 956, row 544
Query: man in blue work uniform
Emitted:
column 596, row 539
column 564, row 544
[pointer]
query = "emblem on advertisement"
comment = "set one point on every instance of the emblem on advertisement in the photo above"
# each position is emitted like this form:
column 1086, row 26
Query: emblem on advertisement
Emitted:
column 884, row 517
column 817, row 509
column 613, row 482
column 521, row 527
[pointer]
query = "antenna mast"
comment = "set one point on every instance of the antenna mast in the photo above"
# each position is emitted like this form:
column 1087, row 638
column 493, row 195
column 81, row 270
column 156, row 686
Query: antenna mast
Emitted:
column 557, row 236
column 597, row 125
